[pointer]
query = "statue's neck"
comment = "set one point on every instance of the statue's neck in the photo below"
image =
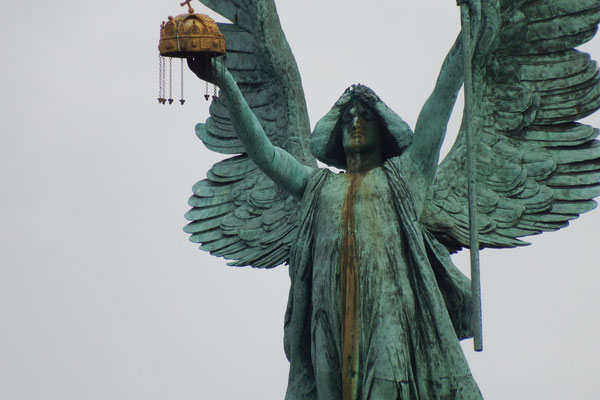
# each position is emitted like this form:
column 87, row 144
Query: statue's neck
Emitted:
column 359, row 163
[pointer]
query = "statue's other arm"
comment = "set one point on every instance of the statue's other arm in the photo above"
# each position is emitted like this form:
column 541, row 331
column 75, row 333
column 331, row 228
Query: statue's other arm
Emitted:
column 275, row 162
column 432, row 122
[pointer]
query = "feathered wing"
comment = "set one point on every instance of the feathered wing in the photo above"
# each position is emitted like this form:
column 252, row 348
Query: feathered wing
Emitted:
column 238, row 212
column 537, row 168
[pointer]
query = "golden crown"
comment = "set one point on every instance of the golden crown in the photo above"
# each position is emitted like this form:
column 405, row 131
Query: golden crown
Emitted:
column 189, row 35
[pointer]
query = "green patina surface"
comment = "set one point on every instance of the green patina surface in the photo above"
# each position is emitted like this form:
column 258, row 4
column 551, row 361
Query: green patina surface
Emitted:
column 376, row 307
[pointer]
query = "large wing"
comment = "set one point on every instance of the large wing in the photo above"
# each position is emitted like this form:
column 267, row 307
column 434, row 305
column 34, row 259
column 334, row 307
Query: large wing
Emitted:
column 537, row 168
column 238, row 212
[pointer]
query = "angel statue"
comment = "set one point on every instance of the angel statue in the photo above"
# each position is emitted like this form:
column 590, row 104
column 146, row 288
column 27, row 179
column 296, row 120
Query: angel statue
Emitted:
column 376, row 307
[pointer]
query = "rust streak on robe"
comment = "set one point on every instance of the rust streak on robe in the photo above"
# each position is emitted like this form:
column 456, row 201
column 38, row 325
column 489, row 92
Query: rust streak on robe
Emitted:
column 349, row 292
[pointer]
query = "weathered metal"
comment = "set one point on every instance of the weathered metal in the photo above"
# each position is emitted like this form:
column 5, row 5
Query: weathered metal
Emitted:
column 476, row 324
column 369, row 250
column 349, row 291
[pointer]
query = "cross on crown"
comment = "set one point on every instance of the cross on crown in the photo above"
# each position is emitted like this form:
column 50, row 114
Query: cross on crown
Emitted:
column 190, row 9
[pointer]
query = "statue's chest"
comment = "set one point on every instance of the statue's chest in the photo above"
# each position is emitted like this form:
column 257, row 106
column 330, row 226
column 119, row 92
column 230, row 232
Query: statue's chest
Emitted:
column 366, row 199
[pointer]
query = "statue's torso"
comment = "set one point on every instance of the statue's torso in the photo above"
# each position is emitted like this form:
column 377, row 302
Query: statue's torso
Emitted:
column 366, row 317
column 382, row 290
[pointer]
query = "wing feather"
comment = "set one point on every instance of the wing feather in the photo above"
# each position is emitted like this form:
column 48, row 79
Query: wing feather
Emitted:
column 537, row 168
column 237, row 212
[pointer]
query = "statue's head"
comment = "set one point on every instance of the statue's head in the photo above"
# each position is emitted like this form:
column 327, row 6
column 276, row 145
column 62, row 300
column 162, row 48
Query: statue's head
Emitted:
column 359, row 122
column 361, row 128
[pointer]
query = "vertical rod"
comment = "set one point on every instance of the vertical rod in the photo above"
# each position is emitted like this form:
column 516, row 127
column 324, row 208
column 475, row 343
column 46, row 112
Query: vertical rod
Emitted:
column 476, row 325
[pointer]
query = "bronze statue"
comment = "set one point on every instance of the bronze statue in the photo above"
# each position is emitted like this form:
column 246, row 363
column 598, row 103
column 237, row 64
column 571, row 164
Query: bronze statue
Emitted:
column 376, row 308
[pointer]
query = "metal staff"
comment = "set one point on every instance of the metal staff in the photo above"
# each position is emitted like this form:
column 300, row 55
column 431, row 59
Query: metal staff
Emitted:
column 474, row 234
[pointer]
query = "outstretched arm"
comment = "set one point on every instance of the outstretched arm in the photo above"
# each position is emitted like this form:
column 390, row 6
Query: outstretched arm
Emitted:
column 430, row 129
column 432, row 122
column 275, row 162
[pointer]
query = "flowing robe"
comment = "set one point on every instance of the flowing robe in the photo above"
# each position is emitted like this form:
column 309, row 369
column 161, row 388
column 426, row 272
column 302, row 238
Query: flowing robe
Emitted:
column 376, row 307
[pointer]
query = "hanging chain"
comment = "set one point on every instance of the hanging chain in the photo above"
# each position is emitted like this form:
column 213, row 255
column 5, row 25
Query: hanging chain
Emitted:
column 215, row 96
column 162, row 87
column 162, row 80
column 160, row 84
column 222, row 66
column 170, row 80
column 181, row 100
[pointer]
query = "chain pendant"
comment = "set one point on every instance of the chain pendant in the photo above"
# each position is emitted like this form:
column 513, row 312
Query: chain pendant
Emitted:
column 182, row 100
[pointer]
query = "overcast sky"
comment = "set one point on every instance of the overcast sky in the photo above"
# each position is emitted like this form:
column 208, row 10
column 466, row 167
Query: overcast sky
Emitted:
column 101, row 294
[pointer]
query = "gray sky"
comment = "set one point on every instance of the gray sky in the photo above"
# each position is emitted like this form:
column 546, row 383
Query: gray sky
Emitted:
column 101, row 294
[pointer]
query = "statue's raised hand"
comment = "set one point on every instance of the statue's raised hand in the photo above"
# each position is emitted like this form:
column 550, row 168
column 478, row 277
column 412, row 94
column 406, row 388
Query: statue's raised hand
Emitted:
column 208, row 69
column 474, row 13
column 485, row 22
column 474, row 6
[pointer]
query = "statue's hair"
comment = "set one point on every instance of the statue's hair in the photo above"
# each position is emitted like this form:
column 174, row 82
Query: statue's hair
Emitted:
column 326, row 141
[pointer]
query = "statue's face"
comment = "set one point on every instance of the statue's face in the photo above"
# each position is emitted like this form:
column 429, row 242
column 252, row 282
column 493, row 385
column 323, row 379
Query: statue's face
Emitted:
column 360, row 129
